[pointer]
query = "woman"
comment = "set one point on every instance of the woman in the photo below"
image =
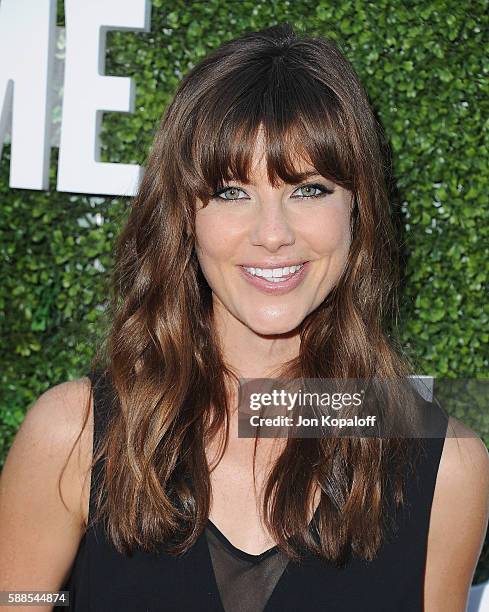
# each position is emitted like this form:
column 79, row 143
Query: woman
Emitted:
column 267, row 163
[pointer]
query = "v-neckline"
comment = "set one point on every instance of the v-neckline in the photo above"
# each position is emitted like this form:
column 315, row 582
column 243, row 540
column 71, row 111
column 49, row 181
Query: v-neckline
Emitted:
column 242, row 554
column 265, row 553
column 249, row 556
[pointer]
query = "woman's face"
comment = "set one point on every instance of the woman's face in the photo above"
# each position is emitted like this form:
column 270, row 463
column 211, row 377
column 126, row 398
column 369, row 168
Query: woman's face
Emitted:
column 251, row 232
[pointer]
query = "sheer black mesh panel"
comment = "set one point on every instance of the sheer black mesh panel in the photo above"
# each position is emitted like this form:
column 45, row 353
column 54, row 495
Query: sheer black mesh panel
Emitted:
column 245, row 581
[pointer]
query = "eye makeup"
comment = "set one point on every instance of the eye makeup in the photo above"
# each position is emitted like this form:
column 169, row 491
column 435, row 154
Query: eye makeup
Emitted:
column 323, row 191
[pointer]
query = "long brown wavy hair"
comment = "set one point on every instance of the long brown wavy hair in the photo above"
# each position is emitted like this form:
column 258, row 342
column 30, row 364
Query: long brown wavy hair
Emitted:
column 161, row 352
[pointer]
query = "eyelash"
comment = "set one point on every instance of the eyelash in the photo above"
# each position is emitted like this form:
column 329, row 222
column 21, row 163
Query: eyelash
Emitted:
column 324, row 191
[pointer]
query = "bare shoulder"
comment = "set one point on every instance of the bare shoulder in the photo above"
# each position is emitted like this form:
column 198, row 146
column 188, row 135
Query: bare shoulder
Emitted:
column 38, row 520
column 67, row 402
column 464, row 466
column 61, row 420
column 458, row 432
column 458, row 521
column 464, row 459
column 57, row 430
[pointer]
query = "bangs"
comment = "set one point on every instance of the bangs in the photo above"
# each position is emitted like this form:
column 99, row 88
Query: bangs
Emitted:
column 300, row 119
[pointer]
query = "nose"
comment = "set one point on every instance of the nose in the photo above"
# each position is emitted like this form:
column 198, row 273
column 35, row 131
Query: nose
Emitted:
column 271, row 228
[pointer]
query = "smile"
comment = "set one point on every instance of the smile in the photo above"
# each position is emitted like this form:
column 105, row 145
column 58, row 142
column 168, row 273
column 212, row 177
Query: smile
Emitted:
column 275, row 281
column 275, row 275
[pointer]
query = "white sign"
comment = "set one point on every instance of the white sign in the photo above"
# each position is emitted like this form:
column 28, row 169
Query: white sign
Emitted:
column 27, row 47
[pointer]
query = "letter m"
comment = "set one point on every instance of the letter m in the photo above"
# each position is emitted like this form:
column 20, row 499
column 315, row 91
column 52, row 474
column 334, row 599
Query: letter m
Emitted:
column 27, row 38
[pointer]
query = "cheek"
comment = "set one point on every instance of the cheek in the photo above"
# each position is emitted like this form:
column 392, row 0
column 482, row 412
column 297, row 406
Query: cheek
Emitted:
column 215, row 239
column 330, row 233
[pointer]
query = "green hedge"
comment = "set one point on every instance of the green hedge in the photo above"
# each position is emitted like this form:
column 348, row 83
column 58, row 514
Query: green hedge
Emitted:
column 422, row 63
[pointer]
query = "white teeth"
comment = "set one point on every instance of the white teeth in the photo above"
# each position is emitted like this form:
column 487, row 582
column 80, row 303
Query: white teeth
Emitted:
column 274, row 274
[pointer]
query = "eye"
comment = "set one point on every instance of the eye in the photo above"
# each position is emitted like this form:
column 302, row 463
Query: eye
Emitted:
column 309, row 189
column 231, row 190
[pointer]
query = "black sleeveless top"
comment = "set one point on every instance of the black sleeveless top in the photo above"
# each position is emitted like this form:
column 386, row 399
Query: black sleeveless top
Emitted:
column 215, row 576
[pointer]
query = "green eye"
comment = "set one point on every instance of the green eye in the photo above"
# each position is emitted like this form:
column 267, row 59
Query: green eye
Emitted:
column 311, row 190
column 232, row 191
column 308, row 191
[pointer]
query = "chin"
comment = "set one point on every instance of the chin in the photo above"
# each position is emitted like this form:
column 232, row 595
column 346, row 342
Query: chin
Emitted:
column 272, row 328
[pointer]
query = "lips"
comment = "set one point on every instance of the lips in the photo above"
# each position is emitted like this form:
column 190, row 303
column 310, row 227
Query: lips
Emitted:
column 281, row 287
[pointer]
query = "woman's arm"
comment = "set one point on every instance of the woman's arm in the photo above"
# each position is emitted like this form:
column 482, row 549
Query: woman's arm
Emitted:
column 39, row 536
column 458, row 521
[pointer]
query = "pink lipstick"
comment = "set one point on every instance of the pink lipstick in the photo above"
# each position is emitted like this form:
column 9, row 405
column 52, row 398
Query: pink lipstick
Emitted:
column 289, row 282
